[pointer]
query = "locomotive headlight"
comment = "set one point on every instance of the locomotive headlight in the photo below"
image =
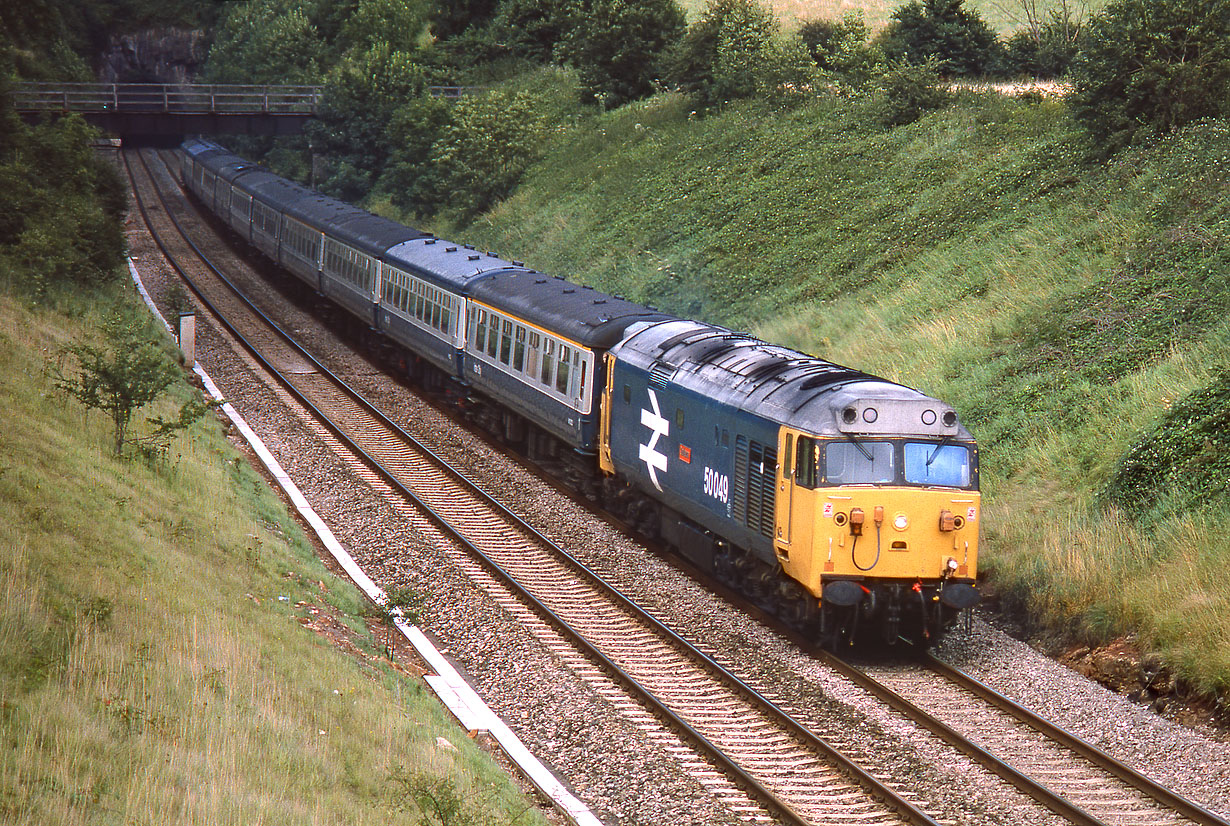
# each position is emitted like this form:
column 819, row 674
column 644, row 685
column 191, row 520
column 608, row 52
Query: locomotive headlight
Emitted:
column 951, row 564
column 901, row 521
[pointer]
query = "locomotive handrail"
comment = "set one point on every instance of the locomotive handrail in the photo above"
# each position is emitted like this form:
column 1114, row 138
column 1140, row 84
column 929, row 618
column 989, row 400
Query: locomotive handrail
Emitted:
column 180, row 98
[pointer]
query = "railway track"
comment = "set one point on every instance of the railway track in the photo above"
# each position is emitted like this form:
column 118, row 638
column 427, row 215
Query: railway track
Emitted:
column 743, row 748
column 1071, row 777
column 746, row 749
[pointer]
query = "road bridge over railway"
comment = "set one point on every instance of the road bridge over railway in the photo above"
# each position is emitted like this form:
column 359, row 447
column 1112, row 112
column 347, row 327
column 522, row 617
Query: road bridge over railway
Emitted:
column 169, row 111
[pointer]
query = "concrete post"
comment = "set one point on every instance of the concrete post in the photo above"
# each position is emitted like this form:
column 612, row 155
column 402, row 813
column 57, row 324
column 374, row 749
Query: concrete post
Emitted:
column 187, row 338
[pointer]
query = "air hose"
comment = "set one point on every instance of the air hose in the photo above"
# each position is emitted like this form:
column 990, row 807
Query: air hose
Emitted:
column 854, row 545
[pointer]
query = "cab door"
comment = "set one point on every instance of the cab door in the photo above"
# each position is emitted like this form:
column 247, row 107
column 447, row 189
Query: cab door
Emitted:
column 796, row 505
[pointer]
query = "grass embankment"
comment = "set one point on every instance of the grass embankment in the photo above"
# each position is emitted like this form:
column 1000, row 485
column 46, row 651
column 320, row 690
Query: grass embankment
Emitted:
column 153, row 668
column 1075, row 312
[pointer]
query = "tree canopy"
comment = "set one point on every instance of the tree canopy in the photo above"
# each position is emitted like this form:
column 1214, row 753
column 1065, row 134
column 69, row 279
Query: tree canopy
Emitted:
column 1148, row 66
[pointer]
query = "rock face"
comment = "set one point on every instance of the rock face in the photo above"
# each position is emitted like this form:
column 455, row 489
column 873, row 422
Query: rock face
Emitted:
column 164, row 55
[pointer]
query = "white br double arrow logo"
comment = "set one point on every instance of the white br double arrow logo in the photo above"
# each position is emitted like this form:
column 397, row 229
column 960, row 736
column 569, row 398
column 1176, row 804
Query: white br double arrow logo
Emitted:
column 653, row 458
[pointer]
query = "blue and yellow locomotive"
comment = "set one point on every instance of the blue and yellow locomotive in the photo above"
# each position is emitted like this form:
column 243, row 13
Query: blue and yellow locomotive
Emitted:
column 832, row 498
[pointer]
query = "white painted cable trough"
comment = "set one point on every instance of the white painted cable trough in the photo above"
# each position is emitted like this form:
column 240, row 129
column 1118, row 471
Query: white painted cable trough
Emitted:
column 456, row 694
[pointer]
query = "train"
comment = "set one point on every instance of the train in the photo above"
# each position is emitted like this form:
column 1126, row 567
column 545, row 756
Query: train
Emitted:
column 845, row 504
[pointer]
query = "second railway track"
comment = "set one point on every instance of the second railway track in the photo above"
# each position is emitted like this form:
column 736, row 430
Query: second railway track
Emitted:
column 743, row 749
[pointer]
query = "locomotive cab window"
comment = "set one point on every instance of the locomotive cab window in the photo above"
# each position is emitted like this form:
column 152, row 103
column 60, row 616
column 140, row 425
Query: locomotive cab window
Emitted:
column 854, row 463
column 806, row 466
column 937, row 464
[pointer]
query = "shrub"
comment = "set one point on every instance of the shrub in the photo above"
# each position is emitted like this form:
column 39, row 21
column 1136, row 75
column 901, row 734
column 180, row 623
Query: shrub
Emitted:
column 617, row 46
column 1148, row 66
column 958, row 39
column 1044, row 50
column 1187, row 454
column 532, row 28
column 840, row 48
column 481, row 155
column 910, row 92
column 736, row 50
column 827, row 40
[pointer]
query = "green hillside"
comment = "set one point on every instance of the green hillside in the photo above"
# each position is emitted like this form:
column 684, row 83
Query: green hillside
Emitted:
column 1076, row 312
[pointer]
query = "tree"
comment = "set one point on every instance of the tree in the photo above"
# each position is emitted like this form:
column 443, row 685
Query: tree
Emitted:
column 450, row 18
column 409, row 178
column 617, row 46
column 1148, row 66
column 910, row 92
column 361, row 94
column 120, row 378
column 483, row 152
column 958, row 39
column 532, row 28
column 266, row 41
column 840, row 48
column 736, row 50
column 1048, row 44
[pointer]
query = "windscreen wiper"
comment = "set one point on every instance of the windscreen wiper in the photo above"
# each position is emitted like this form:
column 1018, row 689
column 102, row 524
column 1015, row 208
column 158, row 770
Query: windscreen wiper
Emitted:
column 938, row 447
column 866, row 454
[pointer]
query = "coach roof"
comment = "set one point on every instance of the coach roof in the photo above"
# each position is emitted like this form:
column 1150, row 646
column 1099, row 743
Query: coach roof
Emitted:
column 579, row 313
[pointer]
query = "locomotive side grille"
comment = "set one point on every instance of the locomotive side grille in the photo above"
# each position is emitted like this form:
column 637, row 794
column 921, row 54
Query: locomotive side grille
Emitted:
column 740, row 504
column 768, row 493
column 755, row 492
column 661, row 374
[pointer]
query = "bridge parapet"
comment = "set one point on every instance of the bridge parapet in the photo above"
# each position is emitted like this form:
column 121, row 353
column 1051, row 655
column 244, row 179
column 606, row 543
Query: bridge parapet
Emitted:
column 180, row 99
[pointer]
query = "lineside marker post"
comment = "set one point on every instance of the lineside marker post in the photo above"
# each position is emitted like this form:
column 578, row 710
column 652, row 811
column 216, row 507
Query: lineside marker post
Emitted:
column 187, row 338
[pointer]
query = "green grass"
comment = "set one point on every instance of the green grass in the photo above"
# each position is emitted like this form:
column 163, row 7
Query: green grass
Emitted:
column 153, row 668
column 1077, row 313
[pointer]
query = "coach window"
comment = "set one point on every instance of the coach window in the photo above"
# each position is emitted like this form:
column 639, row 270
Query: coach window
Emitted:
column 506, row 342
column 480, row 338
column 446, row 315
column 548, row 362
column 493, row 336
column 581, row 372
column 435, row 309
column 519, row 350
column 679, row 417
column 627, row 394
column 561, row 375
column 531, row 363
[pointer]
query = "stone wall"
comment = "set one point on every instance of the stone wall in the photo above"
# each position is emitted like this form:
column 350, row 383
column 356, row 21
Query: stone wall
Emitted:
column 164, row 55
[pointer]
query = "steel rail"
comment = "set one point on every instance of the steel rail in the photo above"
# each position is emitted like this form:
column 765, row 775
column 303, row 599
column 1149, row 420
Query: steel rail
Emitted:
column 1090, row 752
column 1038, row 791
column 895, row 802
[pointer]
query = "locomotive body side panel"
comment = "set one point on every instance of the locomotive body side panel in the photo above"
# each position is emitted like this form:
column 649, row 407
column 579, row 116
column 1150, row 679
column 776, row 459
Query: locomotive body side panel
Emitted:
column 705, row 459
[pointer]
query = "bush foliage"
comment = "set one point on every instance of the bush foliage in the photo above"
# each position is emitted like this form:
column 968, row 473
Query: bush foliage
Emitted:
column 61, row 207
column 1148, row 66
column 957, row 39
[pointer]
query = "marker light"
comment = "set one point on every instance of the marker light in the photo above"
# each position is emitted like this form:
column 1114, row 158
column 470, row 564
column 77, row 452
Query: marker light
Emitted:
column 901, row 521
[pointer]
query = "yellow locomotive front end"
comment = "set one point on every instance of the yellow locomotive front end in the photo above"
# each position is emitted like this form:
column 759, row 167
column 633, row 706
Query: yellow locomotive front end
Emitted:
column 880, row 527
